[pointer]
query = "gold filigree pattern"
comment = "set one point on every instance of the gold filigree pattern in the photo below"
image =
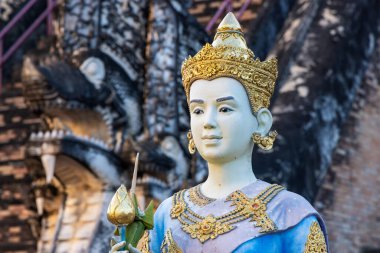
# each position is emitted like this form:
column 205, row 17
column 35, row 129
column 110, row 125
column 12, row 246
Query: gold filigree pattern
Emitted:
column 224, row 36
column 258, row 78
column 197, row 198
column 225, row 32
column 256, row 208
column 210, row 227
column 143, row 244
column 177, row 209
column 265, row 142
column 316, row 242
column 168, row 244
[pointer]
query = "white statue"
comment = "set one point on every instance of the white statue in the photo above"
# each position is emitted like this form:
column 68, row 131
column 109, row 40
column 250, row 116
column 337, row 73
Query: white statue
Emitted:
column 228, row 92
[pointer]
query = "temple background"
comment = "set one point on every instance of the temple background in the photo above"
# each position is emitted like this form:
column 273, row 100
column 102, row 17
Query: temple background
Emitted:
column 76, row 105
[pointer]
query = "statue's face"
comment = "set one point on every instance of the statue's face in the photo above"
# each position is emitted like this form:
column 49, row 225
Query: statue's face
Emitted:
column 222, row 122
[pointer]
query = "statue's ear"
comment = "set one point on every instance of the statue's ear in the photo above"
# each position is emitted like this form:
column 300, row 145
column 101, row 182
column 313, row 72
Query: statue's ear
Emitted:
column 265, row 120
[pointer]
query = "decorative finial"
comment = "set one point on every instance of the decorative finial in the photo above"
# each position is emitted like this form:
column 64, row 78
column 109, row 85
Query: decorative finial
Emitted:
column 229, row 21
column 229, row 33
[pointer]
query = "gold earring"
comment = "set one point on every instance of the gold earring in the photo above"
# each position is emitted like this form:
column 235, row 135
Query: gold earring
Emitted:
column 265, row 142
column 191, row 146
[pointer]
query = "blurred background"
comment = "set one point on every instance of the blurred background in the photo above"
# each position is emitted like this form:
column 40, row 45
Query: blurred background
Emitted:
column 85, row 84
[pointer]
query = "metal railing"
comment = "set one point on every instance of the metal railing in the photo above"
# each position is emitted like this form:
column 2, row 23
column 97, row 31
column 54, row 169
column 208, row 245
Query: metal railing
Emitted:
column 226, row 6
column 46, row 14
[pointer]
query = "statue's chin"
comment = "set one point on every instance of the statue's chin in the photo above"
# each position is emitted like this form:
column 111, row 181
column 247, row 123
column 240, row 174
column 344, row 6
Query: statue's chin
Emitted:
column 219, row 154
column 216, row 155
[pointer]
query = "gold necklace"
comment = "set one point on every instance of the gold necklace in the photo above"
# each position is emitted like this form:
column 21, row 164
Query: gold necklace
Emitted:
column 197, row 197
column 204, row 228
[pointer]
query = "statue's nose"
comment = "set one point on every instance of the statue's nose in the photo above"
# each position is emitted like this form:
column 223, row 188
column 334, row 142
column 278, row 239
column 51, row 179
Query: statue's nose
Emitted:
column 210, row 121
column 208, row 126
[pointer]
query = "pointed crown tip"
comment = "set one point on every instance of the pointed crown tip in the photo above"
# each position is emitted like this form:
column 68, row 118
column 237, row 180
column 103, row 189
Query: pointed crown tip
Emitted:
column 229, row 33
column 229, row 21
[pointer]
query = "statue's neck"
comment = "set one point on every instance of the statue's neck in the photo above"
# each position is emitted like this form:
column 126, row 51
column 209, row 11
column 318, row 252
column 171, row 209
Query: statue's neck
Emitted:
column 224, row 178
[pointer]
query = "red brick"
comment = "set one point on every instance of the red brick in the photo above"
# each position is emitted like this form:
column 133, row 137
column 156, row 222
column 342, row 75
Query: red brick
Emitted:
column 353, row 220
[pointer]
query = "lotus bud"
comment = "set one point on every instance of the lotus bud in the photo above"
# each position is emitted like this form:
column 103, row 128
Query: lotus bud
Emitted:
column 121, row 210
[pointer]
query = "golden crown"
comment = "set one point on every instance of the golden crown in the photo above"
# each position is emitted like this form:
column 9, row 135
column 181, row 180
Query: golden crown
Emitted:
column 229, row 56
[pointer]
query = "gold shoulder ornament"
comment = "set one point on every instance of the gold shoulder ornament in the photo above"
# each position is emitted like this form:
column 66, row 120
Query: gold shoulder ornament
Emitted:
column 256, row 208
column 168, row 244
column 315, row 240
column 210, row 227
column 143, row 244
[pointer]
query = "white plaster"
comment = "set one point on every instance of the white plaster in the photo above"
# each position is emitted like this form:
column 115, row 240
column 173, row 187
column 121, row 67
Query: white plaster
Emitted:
column 48, row 162
column 124, row 64
column 132, row 109
column 172, row 149
column 62, row 247
column 289, row 34
column 329, row 18
column 66, row 232
column 295, row 72
column 86, row 229
column 70, row 215
column 101, row 238
column 40, row 205
column 70, row 22
column 103, row 168
column 29, row 70
column 303, row 91
column 94, row 71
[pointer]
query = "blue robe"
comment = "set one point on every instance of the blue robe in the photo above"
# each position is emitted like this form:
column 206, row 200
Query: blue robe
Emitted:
column 298, row 227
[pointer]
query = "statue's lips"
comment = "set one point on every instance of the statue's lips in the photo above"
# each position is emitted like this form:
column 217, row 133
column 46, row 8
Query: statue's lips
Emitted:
column 211, row 137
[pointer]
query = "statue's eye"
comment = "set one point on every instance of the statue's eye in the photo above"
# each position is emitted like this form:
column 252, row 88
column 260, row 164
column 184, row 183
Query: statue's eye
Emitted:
column 197, row 111
column 225, row 109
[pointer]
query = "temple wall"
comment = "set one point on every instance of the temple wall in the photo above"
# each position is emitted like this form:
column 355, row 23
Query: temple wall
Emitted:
column 349, row 199
column 17, row 211
column 205, row 10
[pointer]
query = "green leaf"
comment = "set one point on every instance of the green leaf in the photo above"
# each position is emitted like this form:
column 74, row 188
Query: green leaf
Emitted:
column 134, row 232
column 148, row 218
column 135, row 204
column 116, row 232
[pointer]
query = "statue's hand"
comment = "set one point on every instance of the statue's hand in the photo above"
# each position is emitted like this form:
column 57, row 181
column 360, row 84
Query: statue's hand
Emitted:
column 117, row 246
column 120, row 245
column 132, row 249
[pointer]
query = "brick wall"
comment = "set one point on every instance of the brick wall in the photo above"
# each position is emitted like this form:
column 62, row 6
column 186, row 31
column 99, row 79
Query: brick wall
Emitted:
column 16, row 201
column 349, row 199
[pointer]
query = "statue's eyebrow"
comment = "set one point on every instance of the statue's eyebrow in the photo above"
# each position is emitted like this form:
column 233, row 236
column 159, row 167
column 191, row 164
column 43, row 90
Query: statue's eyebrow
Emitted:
column 199, row 101
column 224, row 99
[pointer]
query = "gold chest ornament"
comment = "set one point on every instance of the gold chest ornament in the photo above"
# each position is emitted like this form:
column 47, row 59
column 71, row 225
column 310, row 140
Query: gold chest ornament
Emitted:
column 315, row 240
column 210, row 227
